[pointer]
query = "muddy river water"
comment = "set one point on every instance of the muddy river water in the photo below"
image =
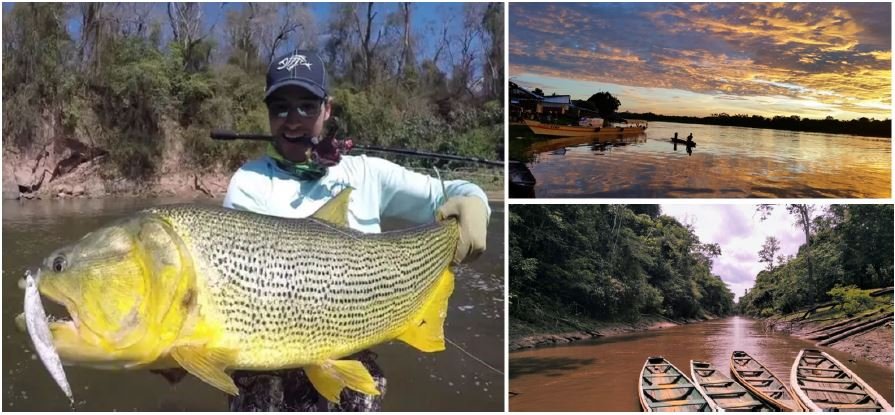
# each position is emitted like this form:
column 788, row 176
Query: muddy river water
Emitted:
column 602, row 374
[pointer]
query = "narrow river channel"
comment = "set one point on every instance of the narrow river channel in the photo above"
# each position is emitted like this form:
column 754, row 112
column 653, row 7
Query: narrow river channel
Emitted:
column 602, row 374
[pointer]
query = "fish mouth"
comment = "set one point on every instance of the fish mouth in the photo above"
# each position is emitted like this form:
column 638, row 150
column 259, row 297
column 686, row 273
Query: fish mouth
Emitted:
column 59, row 308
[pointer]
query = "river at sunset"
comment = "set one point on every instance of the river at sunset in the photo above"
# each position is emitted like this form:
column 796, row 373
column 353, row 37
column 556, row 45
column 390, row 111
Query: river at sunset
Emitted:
column 728, row 162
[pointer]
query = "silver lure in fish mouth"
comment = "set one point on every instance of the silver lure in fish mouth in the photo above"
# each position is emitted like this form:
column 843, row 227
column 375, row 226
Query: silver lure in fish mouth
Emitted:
column 39, row 332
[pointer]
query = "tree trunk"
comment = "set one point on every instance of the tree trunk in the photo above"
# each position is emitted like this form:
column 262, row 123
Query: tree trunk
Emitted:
column 860, row 329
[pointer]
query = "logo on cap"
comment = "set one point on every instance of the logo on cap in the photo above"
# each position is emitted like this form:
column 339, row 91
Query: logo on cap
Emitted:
column 292, row 61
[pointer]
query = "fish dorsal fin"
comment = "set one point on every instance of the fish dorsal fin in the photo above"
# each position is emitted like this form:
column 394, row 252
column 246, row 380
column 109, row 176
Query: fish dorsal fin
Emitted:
column 330, row 377
column 335, row 211
column 426, row 329
column 207, row 365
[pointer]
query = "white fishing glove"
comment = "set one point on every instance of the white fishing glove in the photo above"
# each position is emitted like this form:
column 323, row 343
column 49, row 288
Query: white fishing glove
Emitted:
column 472, row 215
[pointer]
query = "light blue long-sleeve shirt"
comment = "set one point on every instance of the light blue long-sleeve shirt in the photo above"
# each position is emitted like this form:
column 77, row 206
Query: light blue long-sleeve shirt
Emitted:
column 381, row 189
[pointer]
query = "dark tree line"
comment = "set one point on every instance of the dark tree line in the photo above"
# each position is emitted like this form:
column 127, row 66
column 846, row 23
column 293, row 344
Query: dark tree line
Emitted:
column 862, row 126
column 849, row 245
column 609, row 262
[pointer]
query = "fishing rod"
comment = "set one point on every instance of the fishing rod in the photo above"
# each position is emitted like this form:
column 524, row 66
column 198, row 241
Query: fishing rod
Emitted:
column 348, row 145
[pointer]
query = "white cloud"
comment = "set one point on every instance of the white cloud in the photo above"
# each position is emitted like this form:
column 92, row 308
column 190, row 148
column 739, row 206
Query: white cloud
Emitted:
column 740, row 232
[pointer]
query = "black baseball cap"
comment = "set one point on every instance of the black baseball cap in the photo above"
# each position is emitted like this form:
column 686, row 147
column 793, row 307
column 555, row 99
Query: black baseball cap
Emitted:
column 300, row 68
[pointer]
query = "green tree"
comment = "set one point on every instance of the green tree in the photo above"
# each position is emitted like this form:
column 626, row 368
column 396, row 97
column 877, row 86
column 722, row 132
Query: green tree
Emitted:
column 851, row 299
column 605, row 103
column 768, row 252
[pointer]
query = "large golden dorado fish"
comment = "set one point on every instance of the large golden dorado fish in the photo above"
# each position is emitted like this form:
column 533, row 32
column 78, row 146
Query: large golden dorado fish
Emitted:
column 211, row 290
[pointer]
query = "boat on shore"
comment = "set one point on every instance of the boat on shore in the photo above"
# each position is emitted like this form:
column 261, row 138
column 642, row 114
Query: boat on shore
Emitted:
column 821, row 383
column 664, row 388
column 722, row 392
column 587, row 128
column 761, row 382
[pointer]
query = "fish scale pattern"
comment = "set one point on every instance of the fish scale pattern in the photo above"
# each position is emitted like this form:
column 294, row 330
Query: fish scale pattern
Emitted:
column 290, row 292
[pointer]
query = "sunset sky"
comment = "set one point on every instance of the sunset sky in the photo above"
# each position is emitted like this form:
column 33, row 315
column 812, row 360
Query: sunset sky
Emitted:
column 740, row 232
column 806, row 59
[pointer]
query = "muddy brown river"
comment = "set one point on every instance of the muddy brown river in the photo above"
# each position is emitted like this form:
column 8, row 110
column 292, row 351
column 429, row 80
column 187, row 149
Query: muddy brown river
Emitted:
column 602, row 374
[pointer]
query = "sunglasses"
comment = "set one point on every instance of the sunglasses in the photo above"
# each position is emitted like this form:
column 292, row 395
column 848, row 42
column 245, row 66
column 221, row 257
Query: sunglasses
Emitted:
column 306, row 109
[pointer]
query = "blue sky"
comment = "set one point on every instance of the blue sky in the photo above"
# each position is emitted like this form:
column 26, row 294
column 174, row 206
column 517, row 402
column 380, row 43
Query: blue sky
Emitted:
column 806, row 59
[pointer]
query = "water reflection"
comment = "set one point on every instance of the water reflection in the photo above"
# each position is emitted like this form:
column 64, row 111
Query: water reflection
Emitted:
column 601, row 375
column 728, row 162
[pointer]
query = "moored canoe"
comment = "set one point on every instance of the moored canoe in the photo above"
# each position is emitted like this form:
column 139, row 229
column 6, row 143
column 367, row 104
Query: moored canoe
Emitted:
column 664, row 388
column 724, row 393
column 760, row 381
column 822, row 383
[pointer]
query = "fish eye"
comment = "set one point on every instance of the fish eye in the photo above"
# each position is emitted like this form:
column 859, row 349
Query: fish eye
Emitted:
column 59, row 263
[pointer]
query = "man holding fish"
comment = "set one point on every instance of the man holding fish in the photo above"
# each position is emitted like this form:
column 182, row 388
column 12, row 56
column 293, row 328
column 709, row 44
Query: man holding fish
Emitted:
column 214, row 291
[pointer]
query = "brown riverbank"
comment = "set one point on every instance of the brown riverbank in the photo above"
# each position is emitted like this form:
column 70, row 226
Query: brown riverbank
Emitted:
column 45, row 178
column 526, row 335
column 874, row 343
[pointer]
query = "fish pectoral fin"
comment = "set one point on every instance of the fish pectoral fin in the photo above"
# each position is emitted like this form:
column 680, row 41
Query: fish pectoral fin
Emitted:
column 208, row 365
column 330, row 377
column 426, row 329
column 335, row 211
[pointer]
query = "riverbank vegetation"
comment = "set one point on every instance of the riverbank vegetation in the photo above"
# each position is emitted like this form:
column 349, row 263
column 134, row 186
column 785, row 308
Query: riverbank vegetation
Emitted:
column 582, row 263
column 141, row 85
column 849, row 249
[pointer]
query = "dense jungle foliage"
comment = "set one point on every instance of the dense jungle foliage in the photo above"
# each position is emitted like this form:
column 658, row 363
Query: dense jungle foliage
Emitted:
column 609, row 262
column 849, row 246
column 133, row 78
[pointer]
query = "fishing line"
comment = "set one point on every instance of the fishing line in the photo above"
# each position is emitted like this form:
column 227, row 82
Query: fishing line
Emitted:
column 443, row 189
column 444, row 194
column 471, row 355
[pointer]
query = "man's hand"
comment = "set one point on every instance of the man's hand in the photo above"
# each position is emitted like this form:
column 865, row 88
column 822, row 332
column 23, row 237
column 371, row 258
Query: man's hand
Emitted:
column 472, row 214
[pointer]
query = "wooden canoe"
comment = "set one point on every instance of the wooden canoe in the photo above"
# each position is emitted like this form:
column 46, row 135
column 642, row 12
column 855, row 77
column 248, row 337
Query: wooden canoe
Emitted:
column 821, row 383
column 664, row 388
column 722, row 392
column 761, row 382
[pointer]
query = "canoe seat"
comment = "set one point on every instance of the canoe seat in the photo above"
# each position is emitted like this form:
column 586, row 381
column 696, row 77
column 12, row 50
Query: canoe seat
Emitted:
column 834, row 390
column 722, row 395
column 821, row 369
column 829, row 380
column 680, row 402
column 752, row 405
column 857, row 406
column 661, row 387
column 663, row 375
column 717, row 383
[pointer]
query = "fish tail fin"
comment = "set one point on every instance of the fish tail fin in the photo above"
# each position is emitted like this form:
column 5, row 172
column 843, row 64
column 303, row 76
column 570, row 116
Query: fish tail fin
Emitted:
column 207, row 364
column 426, row 330
column 332, row 376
